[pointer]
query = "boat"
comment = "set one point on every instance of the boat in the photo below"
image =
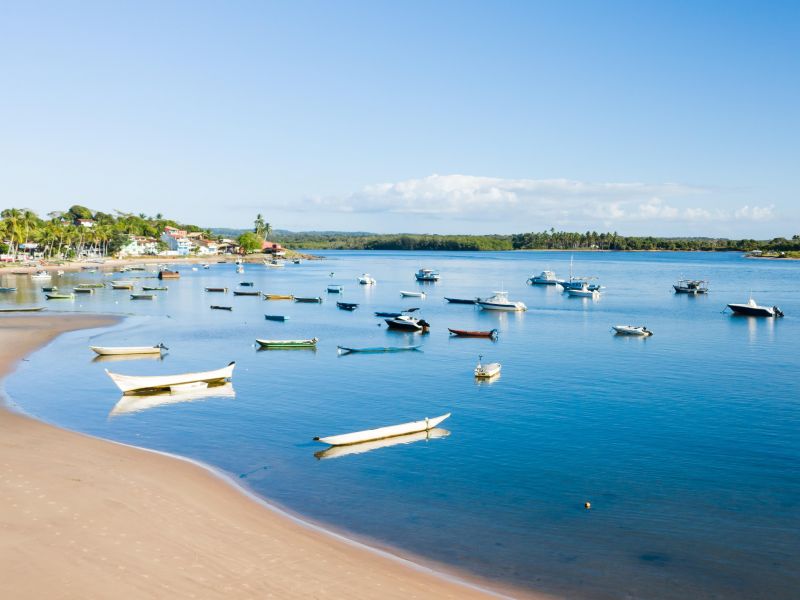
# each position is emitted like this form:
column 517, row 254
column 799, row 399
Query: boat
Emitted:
column 334, row 289
column 223, row 290
column 639, row 330
column 752, row 309
column 486, row 371
column 380, row 433
column 691, row 286
column 347, row 305
column 366, row 279
column 248, row 293
column 60, row 272
column 143, row 296
column 246, row 283
column 295, row 261
column 576, row 283
column 461, row 300
column 240, row 268
column 405, row 294
column 481, row 334
column 427, row 275
column 276, row 317
column 122, row 285
column 7, row 289
column 392, row 315
column 130, row 384
column 22, row 309
column 218, row 307
column 91, row 285
column 409, row 438
column 545, row 278
column 153, row 288
column 312, row 343
column 277, row 296
column 57, row 296
column 584, row 291
column 82, row 290
column 206, row 266
column 50, row 288
column 167, row 274
column 123, row 350
column 308, row 299
column 144, row 401
column 500, row 301
column 376, row 349
column 408, row 323
column 273, row 264
column 41, row 275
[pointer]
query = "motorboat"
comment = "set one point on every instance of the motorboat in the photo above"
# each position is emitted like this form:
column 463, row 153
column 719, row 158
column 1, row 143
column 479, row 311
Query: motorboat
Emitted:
column 408, row 323
column 334, row 289
column 545, row 278
column 41, row 275
column 584, row 291
column 691, row 286
column 312, row 343
column 639, row 330
column 273, row 264
column 500, row 301
column 50, row 288
column 752, row 309
column 380, row 433
column 376, row 349
column 392, row 315
column 487, row 370
column 412, row 294
column 461, row 300
column 206, row 266
column 347, row 305
column 366, row 279
column 126, row 350
column 480, row 334
column 131, row 384
column 427, row 275
column 276, row 317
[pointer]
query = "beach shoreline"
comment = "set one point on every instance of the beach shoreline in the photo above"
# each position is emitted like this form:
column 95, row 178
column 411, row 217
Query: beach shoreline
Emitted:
column 87, row 517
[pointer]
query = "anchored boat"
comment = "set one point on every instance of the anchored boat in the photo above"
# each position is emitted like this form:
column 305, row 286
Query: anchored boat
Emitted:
column 312, row 343
column 273, row 296
column 218, row 307
column 691, row 286
column 412, row 294
column 123, row 350
column 276, row 317
column 752, row 309
column 143, row 296
column 132, row 383
column 167, row 274
column 376, row 349
column 461, row 300
column 500, row 301
column 334, row 289
column 545, row 278
column 639, row 330
column 427, row 275
column 223, row 290
column 408, row 323
column 366, row 279
column 347, row 305
column 481, row 334
column 381, row 432
column 57, row 296
column 308, row 300
column 486, row 371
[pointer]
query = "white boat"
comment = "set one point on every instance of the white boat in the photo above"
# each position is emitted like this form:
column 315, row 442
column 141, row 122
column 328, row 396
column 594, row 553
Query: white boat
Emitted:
column 119, row 350
column 639, row 330
column 410, row 438
column 240, row 268
column 206, row 266
column 427, row 275
column 274, row 264
column 122, row 285
column 366, row 279
column 412, row 294
column 584, row 291
column 135, row 383
column 380, row 433
column 60, row 272
column 545, row 278
column 486, row 371
column 41, row 275
column 500, row 301
column 753, row 309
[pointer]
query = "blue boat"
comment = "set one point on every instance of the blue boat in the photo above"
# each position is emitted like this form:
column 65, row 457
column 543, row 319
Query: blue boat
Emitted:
column 276, row 317
column 376, row 349
column 8, row 289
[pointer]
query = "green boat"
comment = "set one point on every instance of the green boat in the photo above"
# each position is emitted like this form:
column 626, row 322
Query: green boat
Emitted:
column 56, row 296
column 83, row 290
column 312, row 343
column 91, row 285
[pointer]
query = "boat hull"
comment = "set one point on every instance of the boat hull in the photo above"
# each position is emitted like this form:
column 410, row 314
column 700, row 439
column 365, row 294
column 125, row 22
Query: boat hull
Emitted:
column 312, row 343
column 502, row 307
column 460, row 301
column 752, row 311
column 376, row 350
column 130, row 384
column 380, row 433
column 124, row 350
column 478, row 334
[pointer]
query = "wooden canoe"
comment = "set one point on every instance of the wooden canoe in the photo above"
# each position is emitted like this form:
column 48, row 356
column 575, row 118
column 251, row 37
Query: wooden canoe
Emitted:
column 380, row 433
column 276, row 317
column 22, row 309
column 278, row 297
column 409, row 438
column 376, row 349
column 167, row 274
column 347, row 305
column 123, row 350
column 83, row 290
column 130, row 384
column 412, row 294
column 480, row 334
column 57, row 296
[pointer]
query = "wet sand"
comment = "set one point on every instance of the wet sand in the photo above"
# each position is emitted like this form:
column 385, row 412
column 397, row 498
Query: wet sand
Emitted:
column 82, row 517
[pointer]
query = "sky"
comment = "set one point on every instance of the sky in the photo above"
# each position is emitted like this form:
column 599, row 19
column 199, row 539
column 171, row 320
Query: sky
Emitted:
column 641, row 117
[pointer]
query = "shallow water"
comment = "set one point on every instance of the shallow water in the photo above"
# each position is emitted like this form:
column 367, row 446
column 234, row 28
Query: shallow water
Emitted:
column 685, row 443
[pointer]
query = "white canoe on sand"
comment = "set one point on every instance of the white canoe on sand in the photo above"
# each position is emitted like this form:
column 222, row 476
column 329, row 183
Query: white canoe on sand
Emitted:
column 382, row 432
column 119, row 350
column 135, row 383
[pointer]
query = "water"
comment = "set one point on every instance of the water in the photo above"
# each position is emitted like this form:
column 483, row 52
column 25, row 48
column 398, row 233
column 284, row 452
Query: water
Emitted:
column 686, row 443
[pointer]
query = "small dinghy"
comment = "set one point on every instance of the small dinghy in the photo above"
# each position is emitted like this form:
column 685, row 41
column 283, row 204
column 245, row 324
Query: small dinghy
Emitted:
column 276, row 317
column 308, row 300
column 376, row 349
column 486, row 371
column 461, row 300
column 22, row 309
column 91, row 285
column 143, row 296
column 248, row 293
column 277, row 296
column 347, row 305
column 222, row 290
column 380, row 433
column 51, row 288
column 479, row 334
column 218, row 307
column 130, row 384
column 409, row 438
column 121, row 285
column 407, row 323
column 312, row 343
column 124, row 350
column 57, row 296
column 7, row 289
column 366, row 279
column 334, row 289
column 167, row 274
column 639, row 330
column 406, row 294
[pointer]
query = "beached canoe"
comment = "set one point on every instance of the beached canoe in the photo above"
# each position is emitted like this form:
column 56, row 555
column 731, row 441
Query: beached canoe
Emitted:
column 217, row 307
column 312, row 343
column 278, row 297
column 122, row 350
column 481, row 334
column 380, row 433
column 276, row 317
column 376, row 349
column 130, row 384
column 224, row 290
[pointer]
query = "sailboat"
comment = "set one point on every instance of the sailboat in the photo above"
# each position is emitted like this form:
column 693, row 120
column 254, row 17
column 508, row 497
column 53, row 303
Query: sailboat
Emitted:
column 576, row 283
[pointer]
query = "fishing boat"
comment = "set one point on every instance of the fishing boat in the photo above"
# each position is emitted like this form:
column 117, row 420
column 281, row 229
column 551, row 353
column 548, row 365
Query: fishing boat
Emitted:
column 22, row 309
column 167, row 274
column 58, row 296
column 376, row 349
column 222, row 290
column 405, row 294
column 638, row 330
column 143, row 296
column 246, row 283
column 274, row 264
column 427, row 275
column 461, row 300
column 408, row 323
column 308, row 299
column 544, row 278
column 154, row 288
column 91, row 285
column 334, row 289
column 409, row 438
column 7, row 289
column 347, row 305
column 752, row 309
column 382, row 432
column 246, row 293
column 366, row 279
column 295, row 261
column 480, row 334
column 124, row 350
column 122, row 285
column 206, row 266
column 312, row 343
column 486, row 371
column 41, row 275
column 576, row 283
column 277, row 296
column 500, row 301
column 584, row 291
column 691, row 286
column 276, row 317
column 82, row 290
column 130, row 384
column 218, row 307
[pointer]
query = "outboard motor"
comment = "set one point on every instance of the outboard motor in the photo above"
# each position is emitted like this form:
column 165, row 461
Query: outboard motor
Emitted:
column 777, row 311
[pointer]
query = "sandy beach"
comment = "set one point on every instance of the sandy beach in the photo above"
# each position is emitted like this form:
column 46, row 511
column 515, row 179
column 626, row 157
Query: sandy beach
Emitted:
column 85, row 518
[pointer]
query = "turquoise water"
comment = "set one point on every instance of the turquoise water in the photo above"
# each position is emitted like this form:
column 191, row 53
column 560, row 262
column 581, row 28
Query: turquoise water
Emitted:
column 685, row 443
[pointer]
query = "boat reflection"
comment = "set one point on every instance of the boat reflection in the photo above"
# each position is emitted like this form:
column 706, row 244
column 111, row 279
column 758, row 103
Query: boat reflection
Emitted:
column 339, row 451
column 124, row 357
column 481, row 381
column 140, row 402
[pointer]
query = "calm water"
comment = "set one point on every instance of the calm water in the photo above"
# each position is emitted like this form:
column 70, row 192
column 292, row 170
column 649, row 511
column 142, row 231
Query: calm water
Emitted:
column 685, row 443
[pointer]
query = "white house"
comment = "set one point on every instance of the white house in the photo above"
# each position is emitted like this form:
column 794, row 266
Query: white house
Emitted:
column 139, row 246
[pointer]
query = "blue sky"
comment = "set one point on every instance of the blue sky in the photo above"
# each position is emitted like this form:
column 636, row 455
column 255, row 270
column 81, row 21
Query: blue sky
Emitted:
column 671, row 118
